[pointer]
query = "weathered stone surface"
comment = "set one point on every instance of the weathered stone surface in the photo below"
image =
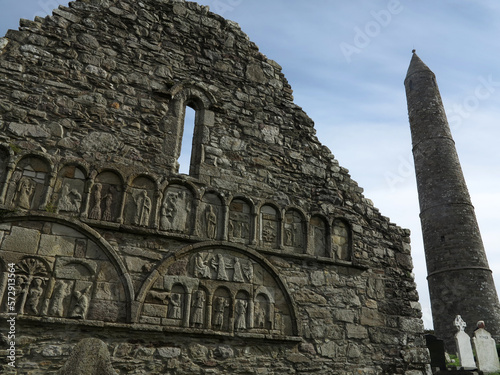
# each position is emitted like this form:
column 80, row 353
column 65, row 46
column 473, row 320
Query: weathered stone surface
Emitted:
column 89, row 357
column 264, row 258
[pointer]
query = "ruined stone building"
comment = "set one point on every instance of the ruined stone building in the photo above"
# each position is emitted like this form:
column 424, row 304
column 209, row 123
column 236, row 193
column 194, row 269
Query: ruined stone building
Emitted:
column 265, row 259
column 459, row 278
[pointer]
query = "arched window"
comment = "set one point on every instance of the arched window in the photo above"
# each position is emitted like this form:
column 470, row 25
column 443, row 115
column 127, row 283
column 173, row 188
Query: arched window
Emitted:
column 187, row 140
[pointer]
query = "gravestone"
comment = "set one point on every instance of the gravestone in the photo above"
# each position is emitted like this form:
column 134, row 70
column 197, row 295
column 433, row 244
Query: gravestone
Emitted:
column 464, row 347
column 436, row 350
column 486, row 351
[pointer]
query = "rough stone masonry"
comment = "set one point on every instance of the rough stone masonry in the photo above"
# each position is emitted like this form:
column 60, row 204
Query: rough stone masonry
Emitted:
column 265, row 259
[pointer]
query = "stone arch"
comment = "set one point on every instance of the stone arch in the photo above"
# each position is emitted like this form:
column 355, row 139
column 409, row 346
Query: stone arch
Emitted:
column 342, row 239
column 200, row 264
column 241, row 220
column 69, row 190
column 319, row 236
column 105, row 201
column 201, row 100
column 294, row 231
column 29, row 183
column 84, row 277
column 141, row 201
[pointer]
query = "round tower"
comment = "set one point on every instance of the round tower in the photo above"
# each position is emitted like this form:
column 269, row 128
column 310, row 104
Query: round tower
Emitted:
column 459, row 279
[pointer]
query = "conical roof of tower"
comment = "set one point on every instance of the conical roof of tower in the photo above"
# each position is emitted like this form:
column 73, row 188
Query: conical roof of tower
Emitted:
column 416, row 65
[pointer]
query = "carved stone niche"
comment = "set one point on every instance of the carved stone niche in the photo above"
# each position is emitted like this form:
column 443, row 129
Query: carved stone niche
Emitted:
column 269, row 226
column 210, row 217
column 28, row 184
column 32, row 274
column 318, row 235
column 294, row 232
column 341, row 239
column 62, row 273
column 177, row 209
column 69, row 189
column 219, row 290
column 140, row 204
column 106, row 197
column 240, row 222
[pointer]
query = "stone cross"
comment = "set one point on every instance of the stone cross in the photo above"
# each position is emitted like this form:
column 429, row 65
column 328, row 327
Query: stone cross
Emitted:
column 486, row 351
column 464, row 347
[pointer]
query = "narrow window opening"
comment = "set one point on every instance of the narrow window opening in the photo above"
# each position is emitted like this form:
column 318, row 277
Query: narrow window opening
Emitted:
column 187, row 140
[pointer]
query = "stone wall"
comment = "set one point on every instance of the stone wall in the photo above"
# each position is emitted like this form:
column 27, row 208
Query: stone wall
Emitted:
column 265, row 259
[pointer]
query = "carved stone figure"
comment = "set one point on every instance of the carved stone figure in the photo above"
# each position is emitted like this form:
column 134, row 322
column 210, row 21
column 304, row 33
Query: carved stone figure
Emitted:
column 25, row 190
column 220, row 266
column 70, row 200
column 61, row 291
column 20, row 288
column 220, row 306
column 95, row 213
column 248, row 271
column 241, row 314
column 201, row 267
column 108, row 201
column 260, row 316
column 198, row 308
column 175, row 211
column 238, row 272
column 269, row 232
column 82, row 303
column 175, row 311
column 142, row 209
column 34, row 294
column 211, row 222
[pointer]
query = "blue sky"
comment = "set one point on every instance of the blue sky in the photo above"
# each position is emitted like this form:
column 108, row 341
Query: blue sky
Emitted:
column 346, row 62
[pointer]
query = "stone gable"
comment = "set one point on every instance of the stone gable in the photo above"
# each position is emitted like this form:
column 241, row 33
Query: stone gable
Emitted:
column 265, row 258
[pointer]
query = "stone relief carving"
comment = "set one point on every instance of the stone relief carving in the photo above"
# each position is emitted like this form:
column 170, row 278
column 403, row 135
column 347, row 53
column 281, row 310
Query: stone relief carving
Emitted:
column 28, row 184
column 25, row 191
column 70, row 185
column 82, row 303
column 341, row 242
column 209, row 223
column 70, row 200
column 176, row 209
column 318, row 236
column 294, row 231
column 220, row 306
column 142, row 208
column 241, row 314
column 95, row 212
column 239, row 221
column 197, row 320
column 61, row 291
column 32, row 274
column 269, row 227
column 219, row 291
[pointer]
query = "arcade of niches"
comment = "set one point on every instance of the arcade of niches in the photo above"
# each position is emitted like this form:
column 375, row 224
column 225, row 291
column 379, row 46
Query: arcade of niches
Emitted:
column 265, row 258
